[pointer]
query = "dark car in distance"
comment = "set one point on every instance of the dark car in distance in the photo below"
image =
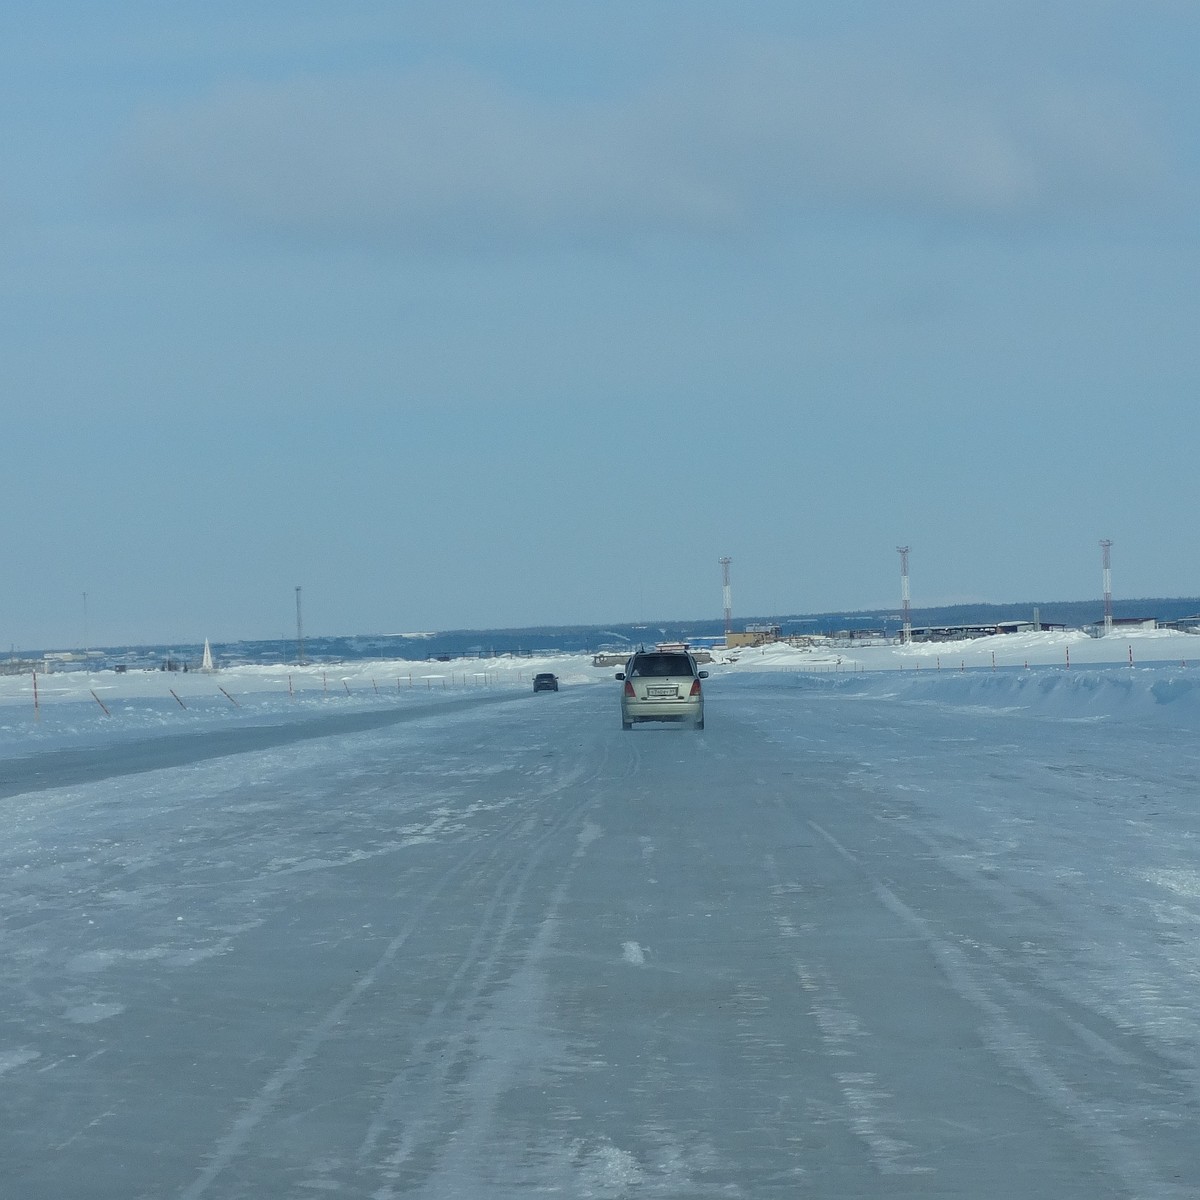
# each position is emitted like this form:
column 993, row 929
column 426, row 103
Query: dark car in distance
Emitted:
column 545, row 682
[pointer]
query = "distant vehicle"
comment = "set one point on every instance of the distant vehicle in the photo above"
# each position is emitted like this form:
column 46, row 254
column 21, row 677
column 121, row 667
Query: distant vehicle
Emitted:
column 662, row 686
column 545, row 682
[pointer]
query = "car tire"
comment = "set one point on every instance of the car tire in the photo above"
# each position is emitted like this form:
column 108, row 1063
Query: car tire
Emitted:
column 699, row 724
column 626, row 725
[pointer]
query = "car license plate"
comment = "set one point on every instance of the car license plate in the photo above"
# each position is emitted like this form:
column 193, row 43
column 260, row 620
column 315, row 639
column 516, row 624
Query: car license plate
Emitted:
column 661, row 693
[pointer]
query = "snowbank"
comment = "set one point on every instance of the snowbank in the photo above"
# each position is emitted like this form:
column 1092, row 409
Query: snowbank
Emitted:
column 1060, row 648
column 100, row 706
column 1170, row 693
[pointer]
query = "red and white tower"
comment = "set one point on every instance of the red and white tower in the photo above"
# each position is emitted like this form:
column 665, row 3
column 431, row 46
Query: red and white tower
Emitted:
column 1106, row 549
column 726, row 595
column 905, row 603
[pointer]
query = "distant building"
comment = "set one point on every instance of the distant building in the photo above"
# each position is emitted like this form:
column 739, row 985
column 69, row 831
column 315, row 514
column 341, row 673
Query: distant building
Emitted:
column 753, row 635
column 1184, row 624
column 616, row 659
column 20, row 666
column 957, row 633
column 1125, row 624
column 858, row 635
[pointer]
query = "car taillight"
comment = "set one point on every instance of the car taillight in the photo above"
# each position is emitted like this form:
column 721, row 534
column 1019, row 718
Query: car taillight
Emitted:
column 695, row 687
column 629, row 689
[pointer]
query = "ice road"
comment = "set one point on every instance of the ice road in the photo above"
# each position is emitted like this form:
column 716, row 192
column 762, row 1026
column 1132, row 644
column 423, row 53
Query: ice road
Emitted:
column 863, row 937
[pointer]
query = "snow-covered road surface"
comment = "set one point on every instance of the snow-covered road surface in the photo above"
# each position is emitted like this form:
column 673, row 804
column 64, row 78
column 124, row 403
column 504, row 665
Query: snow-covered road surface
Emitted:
column 862, row 937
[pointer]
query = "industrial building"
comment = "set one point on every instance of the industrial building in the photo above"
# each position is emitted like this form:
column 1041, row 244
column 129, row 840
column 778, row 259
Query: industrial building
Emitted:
column 955, row 633
column 753, row 635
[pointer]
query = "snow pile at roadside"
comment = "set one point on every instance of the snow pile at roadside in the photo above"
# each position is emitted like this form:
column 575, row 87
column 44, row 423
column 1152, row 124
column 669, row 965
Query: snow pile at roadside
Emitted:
column 100, row 707
column 1169, row 694
column 1049, row 648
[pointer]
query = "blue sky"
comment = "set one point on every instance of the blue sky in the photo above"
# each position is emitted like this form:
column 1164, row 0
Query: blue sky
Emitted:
column 509, row 314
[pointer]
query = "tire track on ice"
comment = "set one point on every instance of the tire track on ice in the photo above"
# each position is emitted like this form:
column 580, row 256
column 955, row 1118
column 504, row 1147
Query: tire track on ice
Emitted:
column 871, row 1109
column 495, row 1059
column 230, row 1147
column 1016, row 1044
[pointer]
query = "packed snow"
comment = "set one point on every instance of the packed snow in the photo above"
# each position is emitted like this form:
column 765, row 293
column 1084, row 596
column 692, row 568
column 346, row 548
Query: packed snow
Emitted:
column 902, row 921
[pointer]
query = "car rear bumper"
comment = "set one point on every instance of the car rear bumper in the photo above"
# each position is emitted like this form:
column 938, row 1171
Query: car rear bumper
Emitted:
column 687, row 709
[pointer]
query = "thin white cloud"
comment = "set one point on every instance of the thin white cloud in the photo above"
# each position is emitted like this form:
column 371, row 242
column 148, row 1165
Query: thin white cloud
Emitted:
column 449, row 158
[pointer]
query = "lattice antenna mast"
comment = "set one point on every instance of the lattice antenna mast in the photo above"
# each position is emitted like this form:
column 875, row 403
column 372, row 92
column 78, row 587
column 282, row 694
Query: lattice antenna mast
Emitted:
column 299, row 632
column 905, row 602
column 726, row 595
column 1106, row 550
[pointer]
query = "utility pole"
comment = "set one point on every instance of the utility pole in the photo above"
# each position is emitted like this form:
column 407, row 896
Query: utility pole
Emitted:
column 1106, row 548
column 299, row 632
column 905, row 603
column 726, row 596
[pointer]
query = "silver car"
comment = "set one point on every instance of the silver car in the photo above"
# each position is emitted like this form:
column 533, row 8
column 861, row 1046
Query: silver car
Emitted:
column 662, row 685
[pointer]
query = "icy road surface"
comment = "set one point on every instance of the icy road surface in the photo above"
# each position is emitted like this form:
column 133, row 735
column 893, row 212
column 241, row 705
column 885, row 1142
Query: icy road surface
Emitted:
column 860, row 938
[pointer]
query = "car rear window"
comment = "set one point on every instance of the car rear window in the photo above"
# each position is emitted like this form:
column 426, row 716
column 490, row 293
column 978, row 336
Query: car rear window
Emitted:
column 661, row 664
